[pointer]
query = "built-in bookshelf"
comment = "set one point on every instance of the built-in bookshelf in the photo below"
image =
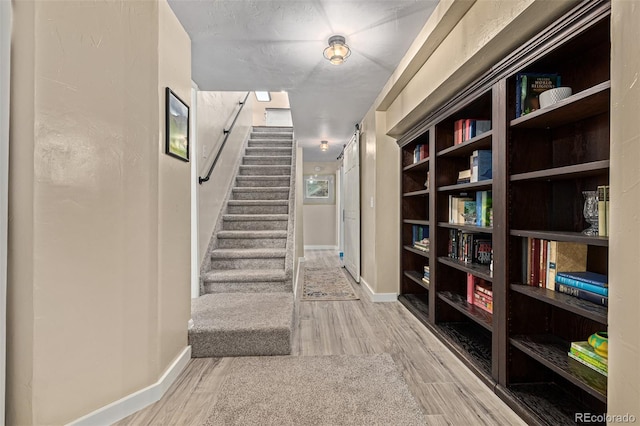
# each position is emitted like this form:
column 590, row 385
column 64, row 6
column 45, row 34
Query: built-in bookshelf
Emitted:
column 516, row 333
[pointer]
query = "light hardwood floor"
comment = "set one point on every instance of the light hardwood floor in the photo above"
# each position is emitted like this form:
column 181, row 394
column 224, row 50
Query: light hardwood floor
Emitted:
column 447, row 391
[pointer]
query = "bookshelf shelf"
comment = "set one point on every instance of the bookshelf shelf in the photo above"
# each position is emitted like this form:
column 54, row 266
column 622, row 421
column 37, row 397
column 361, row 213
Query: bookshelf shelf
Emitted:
column 483, row 318
column 417, row 251
column 543, row 403
column 421, row 165
column 471, row 343
column 468, row 228
column 580, row 307
column 422, row 193
column 575, row 237
column 416, row 222
column 416, row 277
column 584, row 104
column 475, row 186
column 466, row 148
column 593, row 168
column 480, row 271
column 551, row 352
column 540, row 165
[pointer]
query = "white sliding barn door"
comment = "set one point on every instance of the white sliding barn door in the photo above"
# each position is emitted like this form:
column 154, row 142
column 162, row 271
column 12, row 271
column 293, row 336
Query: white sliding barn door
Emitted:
column 351, row 187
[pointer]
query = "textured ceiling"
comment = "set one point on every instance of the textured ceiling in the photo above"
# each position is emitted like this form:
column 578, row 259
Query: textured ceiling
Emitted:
column 270, row 45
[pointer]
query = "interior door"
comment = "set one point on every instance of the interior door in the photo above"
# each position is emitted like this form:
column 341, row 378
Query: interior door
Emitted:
column 351, row 166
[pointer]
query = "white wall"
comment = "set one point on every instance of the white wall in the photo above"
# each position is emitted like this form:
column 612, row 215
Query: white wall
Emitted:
column 278, row 100
column 5, row 70
column 99, row 216
column 320, row 220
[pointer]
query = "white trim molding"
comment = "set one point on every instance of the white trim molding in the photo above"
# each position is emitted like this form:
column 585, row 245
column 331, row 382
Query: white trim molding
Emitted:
column 297, row 279
column 136, row 401
column 321, row 248
column 378, row 297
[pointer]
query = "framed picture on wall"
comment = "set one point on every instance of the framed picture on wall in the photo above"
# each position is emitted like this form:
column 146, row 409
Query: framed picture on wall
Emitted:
column 177, row 127
column 319, row 189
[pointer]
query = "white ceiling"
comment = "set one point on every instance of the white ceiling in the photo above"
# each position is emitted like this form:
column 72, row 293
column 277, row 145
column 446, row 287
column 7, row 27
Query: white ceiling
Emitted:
column 271, row 45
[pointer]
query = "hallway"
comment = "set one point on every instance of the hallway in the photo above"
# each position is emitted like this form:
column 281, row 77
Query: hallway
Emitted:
column 447, row 392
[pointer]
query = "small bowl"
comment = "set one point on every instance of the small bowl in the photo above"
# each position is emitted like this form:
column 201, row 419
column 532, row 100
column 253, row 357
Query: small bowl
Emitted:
column 600, row 343
column 552, row 96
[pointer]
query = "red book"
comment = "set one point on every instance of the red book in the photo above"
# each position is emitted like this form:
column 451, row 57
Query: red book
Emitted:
column 535, row 261
column 542, row 280
column 470, row 286
column 457, row 132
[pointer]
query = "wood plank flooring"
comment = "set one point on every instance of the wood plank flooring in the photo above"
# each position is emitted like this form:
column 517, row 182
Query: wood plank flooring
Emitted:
column 447, row 391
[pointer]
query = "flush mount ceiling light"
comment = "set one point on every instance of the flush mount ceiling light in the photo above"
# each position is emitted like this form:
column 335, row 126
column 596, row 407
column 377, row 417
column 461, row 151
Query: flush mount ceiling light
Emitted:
column 324, row 145
column 338, row 51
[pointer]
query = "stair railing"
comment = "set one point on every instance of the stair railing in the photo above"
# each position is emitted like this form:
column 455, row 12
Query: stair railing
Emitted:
column 226, row 133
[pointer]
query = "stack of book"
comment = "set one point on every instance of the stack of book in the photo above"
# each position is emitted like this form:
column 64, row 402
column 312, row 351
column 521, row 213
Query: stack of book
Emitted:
column 479, row 293
column 468, row 128
column 420, row 237
column 543, row 259
column 528, row 88
column 585, row 285
column 462, row 209
column 464, row 176
column 420, row 152
column 425, row 276
column 584, row 354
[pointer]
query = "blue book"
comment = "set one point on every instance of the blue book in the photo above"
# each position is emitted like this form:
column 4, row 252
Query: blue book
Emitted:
column 588, row 277
column 582, row 285
column 583, row 294
column 485, row 169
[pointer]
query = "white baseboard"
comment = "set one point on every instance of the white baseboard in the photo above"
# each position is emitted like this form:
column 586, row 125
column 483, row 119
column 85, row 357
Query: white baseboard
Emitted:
column 321, row 248
column 136, row 401
column 378, row 297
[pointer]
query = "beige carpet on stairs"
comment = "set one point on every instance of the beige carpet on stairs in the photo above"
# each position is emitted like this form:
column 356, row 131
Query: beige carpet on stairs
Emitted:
column 315, row 390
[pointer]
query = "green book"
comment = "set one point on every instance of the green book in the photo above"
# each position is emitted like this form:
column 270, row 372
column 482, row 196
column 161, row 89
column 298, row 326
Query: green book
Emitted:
column 586, row 349
column 588, row 359
column 591, row 366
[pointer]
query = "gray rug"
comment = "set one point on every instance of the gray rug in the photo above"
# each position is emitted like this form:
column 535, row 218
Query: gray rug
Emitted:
column 315, row 390
column 326, row 284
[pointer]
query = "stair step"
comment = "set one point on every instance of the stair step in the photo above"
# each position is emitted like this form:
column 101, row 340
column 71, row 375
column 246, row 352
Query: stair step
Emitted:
column 267, row 160
column 258, row 207
column 261, row 193
column 241, row 324
column 261, row 170
column 268, row 151
column 252, row 239
column 264, row 143
column 248, row 258
column 271, row 135
column 254, row 222
column 263, row 181
column 272, row 129
column 245, row 281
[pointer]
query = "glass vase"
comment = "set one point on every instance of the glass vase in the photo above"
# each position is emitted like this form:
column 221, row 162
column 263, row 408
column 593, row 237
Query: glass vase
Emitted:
column 590, row 212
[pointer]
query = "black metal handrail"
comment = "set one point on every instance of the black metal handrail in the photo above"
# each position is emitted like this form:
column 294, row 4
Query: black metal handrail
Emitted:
column 226, row 133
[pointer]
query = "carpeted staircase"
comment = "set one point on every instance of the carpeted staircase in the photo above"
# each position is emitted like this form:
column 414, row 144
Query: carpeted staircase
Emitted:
column 246, row 306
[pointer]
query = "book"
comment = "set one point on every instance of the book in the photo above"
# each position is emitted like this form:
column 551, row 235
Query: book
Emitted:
column 583, row 362
column 482, row 251
column 565, row 256
column 457, row 131
column 470, row 288
column 534, row 254
column 464, row 176
column 585, row 348
column 589, row 360
column 588, row 277
column 602, row 213
column 481, row 165
column 483, row 208
column 530, row 85
column 589, row 296
column 603, row 291
column 607, row 197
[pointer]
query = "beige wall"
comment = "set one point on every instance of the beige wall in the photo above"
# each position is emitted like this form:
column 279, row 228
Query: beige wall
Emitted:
column 99, row 262
column 216, row 111
column 278, row 100
column 320, row 225
column 624, row 298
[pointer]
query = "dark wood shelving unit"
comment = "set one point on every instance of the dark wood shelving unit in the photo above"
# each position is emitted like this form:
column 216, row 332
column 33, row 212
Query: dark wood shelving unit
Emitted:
column 480, row 271
column 580, row 307
column 552, row 353
column 459, row 303
column 541, row 163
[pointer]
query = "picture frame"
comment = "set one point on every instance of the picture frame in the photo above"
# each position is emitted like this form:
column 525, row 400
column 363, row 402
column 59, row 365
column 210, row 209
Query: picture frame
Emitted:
column 176, row 126
column 319, row 189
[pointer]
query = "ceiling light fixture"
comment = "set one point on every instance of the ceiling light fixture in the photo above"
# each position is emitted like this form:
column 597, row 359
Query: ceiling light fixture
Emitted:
column 324, row 145
column 338, row 51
